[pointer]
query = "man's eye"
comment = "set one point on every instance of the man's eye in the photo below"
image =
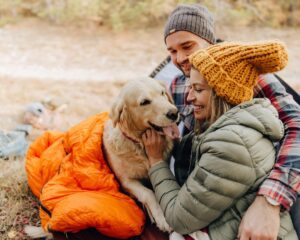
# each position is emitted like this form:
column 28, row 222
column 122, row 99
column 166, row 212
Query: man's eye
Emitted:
column 187, row 47
column 145, row 102
column 198, row 90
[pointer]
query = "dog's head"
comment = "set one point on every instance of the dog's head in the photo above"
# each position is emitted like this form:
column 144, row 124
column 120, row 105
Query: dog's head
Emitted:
column 145, row 104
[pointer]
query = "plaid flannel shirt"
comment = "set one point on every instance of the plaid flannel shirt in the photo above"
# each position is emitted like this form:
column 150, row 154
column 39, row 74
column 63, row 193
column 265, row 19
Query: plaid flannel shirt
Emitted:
column 283, row 182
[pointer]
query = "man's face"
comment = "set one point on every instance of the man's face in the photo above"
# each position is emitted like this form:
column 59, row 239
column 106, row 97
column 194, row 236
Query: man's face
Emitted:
column 181, row 44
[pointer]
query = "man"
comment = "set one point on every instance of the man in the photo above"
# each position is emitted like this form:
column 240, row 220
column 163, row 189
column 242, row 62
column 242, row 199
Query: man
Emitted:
column 189, row 28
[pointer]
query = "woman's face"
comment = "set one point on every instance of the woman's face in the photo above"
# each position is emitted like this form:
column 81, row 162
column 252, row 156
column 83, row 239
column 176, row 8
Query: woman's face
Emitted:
column 199, row 95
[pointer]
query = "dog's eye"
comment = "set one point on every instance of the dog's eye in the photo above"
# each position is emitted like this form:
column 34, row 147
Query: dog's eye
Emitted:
column 163, row 93
column 145, row 102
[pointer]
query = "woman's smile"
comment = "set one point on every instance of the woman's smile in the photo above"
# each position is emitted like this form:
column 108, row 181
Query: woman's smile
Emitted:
column 198, row 108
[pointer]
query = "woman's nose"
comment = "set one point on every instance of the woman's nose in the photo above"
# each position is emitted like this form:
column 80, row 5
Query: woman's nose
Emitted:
column 191, row 95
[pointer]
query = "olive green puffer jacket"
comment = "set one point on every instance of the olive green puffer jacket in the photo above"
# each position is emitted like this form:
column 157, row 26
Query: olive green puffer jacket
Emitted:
column 232, row 157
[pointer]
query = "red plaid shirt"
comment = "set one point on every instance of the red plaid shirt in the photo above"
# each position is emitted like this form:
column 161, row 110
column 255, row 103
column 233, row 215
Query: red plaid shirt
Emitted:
column 283, row 183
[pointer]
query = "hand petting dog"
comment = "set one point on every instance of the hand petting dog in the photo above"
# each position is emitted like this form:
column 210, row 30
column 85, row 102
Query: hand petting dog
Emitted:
column 155, row 144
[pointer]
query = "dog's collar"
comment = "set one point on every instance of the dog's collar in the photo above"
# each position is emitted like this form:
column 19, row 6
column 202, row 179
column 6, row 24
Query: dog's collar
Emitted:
column 130, row 138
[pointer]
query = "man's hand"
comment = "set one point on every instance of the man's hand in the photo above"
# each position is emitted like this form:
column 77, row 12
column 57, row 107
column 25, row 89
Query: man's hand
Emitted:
column 261, row 221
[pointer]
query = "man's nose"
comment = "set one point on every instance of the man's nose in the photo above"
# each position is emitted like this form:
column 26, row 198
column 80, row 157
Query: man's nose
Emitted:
column 181, row 57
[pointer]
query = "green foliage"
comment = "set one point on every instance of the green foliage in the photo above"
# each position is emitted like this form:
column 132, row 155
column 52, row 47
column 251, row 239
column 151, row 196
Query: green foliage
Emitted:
column 123, row 14
column 120, row 14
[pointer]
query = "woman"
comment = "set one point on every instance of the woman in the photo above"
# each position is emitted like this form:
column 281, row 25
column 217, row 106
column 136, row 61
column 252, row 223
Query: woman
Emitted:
column 232, row 152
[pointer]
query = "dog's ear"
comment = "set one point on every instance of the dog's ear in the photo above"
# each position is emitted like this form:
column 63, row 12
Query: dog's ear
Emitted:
column 162, row 83
column 116, row 111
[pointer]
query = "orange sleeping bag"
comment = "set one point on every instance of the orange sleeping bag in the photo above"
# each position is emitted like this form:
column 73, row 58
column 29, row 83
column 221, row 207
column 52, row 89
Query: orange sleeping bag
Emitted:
column 76, row 188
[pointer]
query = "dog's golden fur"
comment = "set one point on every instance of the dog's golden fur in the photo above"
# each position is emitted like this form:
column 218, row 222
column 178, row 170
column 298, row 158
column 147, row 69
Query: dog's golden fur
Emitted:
column 140, row 104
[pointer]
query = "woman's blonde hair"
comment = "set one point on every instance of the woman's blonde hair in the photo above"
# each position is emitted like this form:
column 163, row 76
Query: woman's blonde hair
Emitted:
column 217, row 107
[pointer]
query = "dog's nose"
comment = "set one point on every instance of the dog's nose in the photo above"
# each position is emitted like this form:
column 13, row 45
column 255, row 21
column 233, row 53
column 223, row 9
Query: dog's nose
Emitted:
column 172, row 114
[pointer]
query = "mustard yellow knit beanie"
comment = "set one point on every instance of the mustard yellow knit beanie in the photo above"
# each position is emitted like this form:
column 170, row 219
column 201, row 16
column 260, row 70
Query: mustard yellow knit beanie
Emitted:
column 232, row 69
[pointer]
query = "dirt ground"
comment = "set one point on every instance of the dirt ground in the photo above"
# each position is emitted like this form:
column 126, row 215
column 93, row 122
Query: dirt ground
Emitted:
column 83, row 68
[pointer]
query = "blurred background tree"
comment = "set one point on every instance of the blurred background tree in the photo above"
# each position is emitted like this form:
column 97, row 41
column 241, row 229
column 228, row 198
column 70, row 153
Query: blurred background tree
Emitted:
column 128, row 14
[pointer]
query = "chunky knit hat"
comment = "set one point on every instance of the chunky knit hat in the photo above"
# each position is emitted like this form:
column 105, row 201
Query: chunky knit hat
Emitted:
column 193, row 18
column 232, row 69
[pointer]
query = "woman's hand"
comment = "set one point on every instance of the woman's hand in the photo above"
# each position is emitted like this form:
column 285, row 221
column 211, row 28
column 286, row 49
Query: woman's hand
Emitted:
column 154, row 145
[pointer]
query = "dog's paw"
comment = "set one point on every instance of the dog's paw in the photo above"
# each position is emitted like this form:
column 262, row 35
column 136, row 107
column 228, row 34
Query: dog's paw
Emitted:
column 162, row 224
column 157, row 217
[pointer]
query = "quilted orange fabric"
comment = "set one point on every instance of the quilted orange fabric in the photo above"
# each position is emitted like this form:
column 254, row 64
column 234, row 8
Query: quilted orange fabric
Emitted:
column 76, row 188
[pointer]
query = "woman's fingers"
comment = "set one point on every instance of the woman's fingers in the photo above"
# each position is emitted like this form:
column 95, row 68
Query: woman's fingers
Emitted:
column 152, row 138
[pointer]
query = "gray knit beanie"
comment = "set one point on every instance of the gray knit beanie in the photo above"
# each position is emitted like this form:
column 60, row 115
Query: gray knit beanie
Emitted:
column 193, row 18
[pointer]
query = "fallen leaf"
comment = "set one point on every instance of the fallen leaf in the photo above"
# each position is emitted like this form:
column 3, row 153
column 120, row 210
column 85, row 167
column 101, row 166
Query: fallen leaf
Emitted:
column 12, row 234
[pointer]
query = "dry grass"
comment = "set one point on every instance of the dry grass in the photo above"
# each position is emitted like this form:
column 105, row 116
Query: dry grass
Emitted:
column 18, row 206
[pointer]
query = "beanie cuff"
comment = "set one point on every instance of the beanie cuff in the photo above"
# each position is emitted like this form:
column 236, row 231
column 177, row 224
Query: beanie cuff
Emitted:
column 192, row 18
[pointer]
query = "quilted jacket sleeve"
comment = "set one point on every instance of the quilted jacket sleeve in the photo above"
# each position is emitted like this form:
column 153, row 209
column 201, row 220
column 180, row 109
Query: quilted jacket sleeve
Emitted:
column 224, row 173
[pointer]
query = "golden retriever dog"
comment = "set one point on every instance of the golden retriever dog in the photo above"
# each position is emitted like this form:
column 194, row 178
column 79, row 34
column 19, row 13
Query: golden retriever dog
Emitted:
column 141, row 104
